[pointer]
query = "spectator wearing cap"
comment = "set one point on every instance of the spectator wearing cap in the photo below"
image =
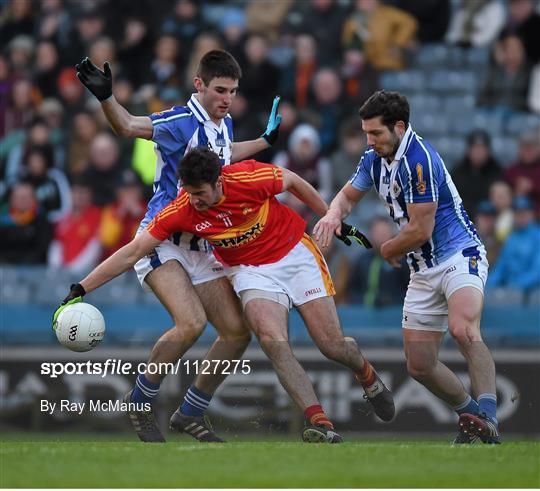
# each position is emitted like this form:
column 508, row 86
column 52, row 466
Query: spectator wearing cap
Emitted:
column 120, row 220
column 477, row 171
column 524, row 174
column 304, row 158
column 518, row 265
column 484, row 221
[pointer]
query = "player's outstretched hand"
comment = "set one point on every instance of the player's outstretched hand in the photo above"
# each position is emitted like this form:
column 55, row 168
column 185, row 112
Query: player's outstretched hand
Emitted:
column 348, row 233
column 326, row 227
column 97, row 81
column 76, row 292
column 272, row 128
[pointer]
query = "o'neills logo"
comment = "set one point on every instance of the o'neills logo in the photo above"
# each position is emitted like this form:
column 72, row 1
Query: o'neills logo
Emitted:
column 313, row 291
column 235, row 241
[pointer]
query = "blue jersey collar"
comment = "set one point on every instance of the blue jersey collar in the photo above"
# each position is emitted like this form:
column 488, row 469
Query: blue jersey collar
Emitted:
column 196, row 108
column 405, row 143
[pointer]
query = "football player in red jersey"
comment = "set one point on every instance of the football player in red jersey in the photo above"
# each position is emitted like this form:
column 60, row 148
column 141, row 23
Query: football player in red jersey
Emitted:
column 272, row 264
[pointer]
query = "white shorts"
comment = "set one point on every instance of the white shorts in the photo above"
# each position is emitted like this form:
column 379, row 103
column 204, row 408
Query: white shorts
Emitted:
column 426, row 302
column 302, row 275
column 201, row 266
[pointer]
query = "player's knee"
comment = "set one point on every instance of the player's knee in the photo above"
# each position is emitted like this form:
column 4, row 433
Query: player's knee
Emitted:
column 273, row 344
column 191, row 329
column 420, row 369
column 236, row 336
column 332, row 349
column 465, row 332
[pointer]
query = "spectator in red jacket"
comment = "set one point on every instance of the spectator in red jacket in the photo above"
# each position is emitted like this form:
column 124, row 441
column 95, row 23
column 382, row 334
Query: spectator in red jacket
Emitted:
column 120, row 220
column 76, row 244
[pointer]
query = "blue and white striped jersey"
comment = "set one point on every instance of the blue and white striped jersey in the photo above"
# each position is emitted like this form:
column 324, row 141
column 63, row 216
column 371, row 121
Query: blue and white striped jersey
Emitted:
column 418, row 175
column 176, row 131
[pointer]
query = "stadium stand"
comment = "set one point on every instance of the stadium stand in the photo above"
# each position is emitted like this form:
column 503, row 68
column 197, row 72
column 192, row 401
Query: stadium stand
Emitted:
column 442, row 82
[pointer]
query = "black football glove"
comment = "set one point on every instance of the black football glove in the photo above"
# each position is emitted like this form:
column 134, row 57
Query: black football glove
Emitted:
column 96, row 81
column 349, row 232
column 76, row 292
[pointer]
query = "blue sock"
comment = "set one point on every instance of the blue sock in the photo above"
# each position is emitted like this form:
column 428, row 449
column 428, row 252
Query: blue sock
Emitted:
column 195, row 402
column 144, row 390
column 469, row 406
column 487, row 404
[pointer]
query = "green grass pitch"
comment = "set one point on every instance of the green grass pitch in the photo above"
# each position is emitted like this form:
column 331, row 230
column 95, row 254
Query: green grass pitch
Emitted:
column 61, row 461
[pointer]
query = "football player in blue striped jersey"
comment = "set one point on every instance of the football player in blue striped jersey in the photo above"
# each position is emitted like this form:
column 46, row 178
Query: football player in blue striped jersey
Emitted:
column 182, row 271
column 445, row 254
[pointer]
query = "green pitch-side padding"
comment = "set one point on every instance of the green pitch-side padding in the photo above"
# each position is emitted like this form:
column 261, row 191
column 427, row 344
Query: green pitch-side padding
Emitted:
column 144, row 160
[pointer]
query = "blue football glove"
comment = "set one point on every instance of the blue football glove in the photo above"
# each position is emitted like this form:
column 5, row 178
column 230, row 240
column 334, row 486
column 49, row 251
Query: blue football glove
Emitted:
column 76, row 292
column 272, row 128
column 349, row 232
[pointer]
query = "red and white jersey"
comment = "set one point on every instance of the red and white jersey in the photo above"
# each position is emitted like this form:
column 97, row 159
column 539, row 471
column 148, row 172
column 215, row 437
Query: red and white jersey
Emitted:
column 247, row 226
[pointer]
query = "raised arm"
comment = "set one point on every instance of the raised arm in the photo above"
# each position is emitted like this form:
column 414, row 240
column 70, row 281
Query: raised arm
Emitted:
column 340, row 207
column 243, row 150
column 304, row 191
column 99, row 83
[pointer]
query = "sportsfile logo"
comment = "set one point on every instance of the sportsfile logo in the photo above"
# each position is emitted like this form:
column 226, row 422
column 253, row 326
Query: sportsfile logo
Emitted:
column 118, row 367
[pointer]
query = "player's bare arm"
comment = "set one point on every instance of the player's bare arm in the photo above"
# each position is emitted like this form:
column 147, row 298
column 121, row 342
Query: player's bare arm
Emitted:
column 340, row 207
column 304, row 191
column 413, row 235
column 243, row 150
column 125, row 124
column 122, row 260
column 99, row 82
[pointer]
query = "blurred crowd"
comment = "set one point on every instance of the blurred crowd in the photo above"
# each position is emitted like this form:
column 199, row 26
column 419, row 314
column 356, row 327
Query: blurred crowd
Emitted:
column 71, row 192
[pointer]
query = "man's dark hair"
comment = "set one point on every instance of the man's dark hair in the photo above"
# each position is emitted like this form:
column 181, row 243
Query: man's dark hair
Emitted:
column 199, row 166
column 218, row 63
column 391, row 106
